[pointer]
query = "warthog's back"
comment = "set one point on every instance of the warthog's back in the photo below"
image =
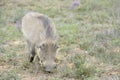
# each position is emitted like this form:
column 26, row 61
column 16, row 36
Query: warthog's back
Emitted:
column 37, row 27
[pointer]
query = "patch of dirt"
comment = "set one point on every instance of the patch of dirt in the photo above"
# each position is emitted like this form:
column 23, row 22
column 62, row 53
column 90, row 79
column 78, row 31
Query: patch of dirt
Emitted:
column 6, row 67
column 16, row 42
column 111, row 73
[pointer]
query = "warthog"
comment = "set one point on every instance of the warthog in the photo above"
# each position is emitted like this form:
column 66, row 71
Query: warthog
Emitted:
column 41, row 37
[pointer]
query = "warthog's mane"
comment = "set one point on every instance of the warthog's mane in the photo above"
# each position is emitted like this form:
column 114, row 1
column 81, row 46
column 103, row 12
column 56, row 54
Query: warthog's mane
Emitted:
column 48, row 25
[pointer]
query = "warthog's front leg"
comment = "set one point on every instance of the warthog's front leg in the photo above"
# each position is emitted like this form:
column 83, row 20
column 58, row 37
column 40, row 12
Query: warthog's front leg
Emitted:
column 37, row 63
column 31, row 49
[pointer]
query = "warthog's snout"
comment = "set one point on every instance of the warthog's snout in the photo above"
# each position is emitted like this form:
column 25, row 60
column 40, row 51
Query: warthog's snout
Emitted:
column 49, row 67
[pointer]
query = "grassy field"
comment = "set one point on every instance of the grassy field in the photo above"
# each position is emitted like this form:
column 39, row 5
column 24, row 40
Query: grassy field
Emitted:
column 89, row 39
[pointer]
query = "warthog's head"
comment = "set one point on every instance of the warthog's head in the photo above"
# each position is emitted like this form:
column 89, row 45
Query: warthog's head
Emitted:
column 47, row 56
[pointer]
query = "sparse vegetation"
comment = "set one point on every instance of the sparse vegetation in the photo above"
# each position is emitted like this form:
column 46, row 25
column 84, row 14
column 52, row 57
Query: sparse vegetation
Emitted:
column 10, row 75
column 89, row 38
column 77, row 67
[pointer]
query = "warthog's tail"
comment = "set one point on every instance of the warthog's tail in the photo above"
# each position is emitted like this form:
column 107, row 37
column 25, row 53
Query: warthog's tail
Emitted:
column 19, row 24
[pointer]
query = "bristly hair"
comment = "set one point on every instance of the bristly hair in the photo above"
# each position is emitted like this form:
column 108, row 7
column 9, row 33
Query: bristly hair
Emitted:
column 47, row 25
